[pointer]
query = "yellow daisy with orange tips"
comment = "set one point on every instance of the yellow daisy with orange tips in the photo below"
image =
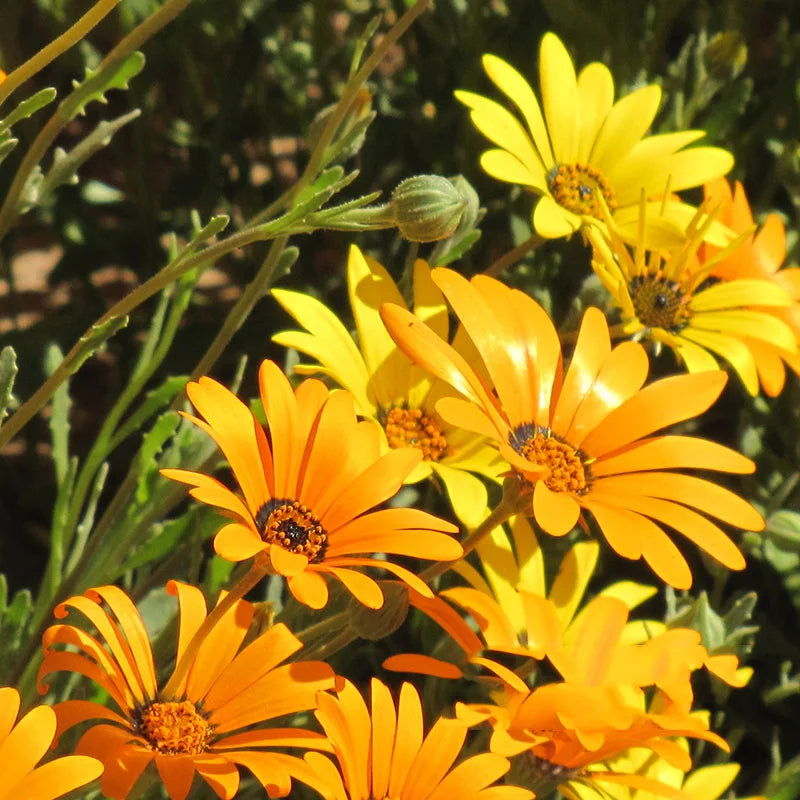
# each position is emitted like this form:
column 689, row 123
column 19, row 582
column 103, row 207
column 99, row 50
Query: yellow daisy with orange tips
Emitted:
column 209, row 723
column 24, row 743
column 759, row 257
column 386, row 386
column 584, row 439
column 565, row 735
column 673, row 298
column 383, row 752
column 579, row 149
column 309, row 488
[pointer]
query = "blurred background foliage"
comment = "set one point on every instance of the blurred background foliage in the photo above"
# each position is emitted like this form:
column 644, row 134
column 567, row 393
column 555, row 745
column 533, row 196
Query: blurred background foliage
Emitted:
column 228, row 97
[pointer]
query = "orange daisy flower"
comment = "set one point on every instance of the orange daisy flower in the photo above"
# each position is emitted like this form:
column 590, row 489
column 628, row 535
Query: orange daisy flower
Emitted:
column 196, row 728
column 308, row 488
column 582, row 440
column 760, row 258
column 23, row 744
column 382, row 752
column 568, row 730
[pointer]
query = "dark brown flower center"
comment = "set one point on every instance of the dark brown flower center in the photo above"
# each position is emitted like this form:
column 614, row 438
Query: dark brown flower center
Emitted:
column 292, row 526
column 567, row 470
column 658, row 302
column 409, row 427
column 174, row 728
column 578, row 188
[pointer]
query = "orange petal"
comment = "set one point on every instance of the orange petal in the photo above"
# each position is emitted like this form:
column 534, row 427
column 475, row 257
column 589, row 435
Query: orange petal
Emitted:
column 28, row 741
column 286, row 563
column 235, row 542
column 58, row 778
column 383, row 712
column 309, row 588
column 665, row 402
column 422, row 665
column 407, row 741
column 666, row 560
column 436, row 755
column 556, row 512
column 361, row 586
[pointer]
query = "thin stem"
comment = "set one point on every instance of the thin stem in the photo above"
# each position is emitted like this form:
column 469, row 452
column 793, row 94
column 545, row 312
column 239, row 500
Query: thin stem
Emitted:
column 58, row 46
column 507, row 507
column 514, row 255
column 138, row 296
column 320, row 629
column 260, row 568
column 244, row 305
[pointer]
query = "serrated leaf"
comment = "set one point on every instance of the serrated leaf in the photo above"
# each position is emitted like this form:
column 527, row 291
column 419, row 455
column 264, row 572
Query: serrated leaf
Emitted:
column 154, row 440
column 153, row 402
column 59, row 418
column 28, row 107
column 91, row 342
column 8, row 373
column 97, row 82
column 66, row 164
column 162, row 541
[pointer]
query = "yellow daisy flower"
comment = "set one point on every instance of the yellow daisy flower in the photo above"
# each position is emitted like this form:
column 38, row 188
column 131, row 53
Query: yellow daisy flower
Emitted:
column 581, row 148
column 673, row 298
column 386, row 386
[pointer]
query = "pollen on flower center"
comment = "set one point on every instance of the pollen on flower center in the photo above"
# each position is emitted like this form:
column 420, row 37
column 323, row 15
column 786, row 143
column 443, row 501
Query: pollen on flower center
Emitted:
column 409, row 427
column 566, row 469
column 578, row 187
column 292, row 526
column 658, row 302
column 174, row 728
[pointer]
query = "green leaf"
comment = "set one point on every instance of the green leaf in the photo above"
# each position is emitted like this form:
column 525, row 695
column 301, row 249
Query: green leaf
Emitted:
column 59, row 419
column 66, row 164
column 783, row 528
column 98, row 82
column 28, row 107
column 15, row 620
column 455, row 249
column 91, row 342
column 84, row 528
column 163, row 539
column 154, row 441
column 153, row 402
column 8, row 372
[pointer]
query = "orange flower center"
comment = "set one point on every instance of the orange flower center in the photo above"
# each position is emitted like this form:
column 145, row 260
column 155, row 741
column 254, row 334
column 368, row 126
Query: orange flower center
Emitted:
column 409, row 427
column 578, row 187
column 567, row 471
column 290, row 524
column 658, row 302
column 174, row 728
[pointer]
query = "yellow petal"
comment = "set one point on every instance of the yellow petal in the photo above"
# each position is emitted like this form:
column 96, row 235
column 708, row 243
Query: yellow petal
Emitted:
column 758, row 324
column 572, row 579
column 559, row 97
column 429, row 304
column 625, row 125
column 518, row 90
column 709, row 783
column 507, row 167
column 467, row 494
column 553, row 221
column 596, row 97
column 737, row 293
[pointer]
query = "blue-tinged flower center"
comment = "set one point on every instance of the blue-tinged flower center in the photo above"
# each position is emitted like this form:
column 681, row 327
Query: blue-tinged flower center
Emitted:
column 292, row 526
column 578, row 188
column 659, row 302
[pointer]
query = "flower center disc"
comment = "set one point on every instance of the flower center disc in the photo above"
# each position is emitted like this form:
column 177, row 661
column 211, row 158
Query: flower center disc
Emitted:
column 409, row 427
column 658, row 302
column 577, row 187
column 566, row 470
column 292, row 526
column 175, row 728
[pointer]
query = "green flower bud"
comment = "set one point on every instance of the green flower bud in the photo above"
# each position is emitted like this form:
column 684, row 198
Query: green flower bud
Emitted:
column 376, row 623
column 427, row 208
column 725, row 55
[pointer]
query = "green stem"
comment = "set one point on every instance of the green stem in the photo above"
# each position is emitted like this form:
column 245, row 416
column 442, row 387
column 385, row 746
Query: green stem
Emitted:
column 58, row 46
column 138, row 296
column 508, row 506
column 260, row 568
column 514, row 255
column 317, row 161
column 321, row 629
column 244, row 305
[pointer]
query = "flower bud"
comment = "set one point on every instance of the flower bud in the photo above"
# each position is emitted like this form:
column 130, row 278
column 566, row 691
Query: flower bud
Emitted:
column 376, row 623
column 427, row 208
column 725, row 55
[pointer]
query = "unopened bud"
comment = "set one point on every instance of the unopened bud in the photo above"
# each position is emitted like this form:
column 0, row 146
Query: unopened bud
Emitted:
column 427, row 208
column 725, row 55
column 376, row 623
